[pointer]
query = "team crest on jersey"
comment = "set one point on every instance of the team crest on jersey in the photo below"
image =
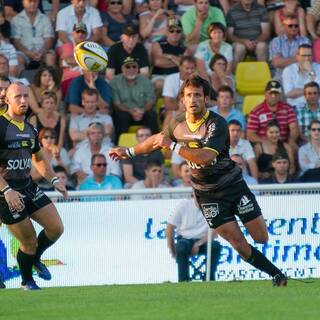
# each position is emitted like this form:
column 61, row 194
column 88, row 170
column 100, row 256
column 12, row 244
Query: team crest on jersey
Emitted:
column 210, row 132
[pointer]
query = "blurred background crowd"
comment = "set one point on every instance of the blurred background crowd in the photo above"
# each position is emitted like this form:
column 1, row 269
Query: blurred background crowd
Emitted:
column 260, row 57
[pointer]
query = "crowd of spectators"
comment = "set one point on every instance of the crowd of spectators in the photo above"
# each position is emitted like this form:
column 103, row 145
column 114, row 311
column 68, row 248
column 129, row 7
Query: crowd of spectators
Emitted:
column 153, row 46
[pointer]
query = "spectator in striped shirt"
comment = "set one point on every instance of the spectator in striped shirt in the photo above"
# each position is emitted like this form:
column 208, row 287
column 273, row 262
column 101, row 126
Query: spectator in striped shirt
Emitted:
column 273, row 108
column 310, row 111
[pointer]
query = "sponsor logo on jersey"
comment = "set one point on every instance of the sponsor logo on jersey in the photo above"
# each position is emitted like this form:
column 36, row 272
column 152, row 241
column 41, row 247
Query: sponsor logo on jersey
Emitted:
column 19, row 164
column 245, row 205
column 210, row 211
column 14, row 145
column 193, row 145
column 192, row 136
column 210, row 132
column 23, row 135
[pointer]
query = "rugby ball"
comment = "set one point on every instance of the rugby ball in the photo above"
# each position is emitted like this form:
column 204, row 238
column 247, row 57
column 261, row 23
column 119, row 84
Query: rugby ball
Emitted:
column 90, row 56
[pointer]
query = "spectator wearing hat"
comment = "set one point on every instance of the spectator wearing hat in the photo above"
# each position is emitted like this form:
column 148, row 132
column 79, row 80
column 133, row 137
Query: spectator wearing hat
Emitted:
column 208, row 48
column 282, row 49
column 33, row 36
column 88, row 80
column 70, row 68
column 195, row 22
column 296, row 75
column 78, row 11
column 133, row 99
column 248, row 30
column 166, row 54
column 273, row 108
column 128, row 46
column 114, row 20
column 280, row 165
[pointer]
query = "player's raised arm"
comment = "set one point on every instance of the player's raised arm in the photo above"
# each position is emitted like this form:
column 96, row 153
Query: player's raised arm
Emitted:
column 147, row 146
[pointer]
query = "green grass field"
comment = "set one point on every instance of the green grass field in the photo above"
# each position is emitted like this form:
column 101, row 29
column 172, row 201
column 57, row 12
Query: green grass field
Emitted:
column 220, row 300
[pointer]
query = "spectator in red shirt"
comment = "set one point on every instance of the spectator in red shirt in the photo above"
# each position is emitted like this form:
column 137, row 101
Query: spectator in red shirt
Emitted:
column 273, row 108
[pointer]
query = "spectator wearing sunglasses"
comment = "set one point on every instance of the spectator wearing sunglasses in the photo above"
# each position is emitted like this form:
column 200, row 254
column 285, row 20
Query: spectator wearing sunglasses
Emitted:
column 99, row 180
column 166, row 54
column 309, row 155
column 310, row 111
column 133, row 99
column 282, row 49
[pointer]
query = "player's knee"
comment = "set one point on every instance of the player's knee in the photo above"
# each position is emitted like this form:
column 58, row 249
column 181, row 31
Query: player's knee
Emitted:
column 263, row 237
column 55, row 232
column 239, row 244
column 29, row 245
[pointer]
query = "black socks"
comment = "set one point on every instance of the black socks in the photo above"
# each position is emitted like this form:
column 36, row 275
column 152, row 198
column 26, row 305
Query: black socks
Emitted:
column 25, row 262
column 259, row 261
column 43, row 244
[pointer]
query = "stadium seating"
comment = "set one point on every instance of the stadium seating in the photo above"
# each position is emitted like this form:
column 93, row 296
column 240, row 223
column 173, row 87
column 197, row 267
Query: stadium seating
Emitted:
column 133, row 129
column 252, row 77
column 249, row 102
column 127, row 140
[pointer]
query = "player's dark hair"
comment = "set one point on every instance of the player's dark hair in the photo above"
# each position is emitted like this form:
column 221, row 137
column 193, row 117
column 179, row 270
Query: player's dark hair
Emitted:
column 311, row 84
column 235, row 122
column 37, row 77
column 196, row 81
column 187, row 58
column 225, row 88
column 97, row 155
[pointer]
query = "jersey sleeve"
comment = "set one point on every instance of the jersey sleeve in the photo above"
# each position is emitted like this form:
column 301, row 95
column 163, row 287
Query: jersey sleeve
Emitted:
column 217, row 135
column 36, row 148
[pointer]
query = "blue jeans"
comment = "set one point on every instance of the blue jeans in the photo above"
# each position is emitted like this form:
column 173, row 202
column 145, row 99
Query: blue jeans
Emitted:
column 183, row 252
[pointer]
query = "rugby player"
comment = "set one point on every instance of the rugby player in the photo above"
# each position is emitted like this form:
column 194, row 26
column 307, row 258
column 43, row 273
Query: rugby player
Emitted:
column 21, row 200
column 202, row 138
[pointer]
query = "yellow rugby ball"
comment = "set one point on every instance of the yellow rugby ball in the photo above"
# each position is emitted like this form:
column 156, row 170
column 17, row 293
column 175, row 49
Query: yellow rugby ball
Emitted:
column 90, row 56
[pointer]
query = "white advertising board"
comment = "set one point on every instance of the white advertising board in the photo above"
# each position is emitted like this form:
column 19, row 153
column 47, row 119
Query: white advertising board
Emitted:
column 124, row 242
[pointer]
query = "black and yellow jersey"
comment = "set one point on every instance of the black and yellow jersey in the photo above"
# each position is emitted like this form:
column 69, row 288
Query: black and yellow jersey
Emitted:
column 211, row 132
column 18, row 141
column 3, row 111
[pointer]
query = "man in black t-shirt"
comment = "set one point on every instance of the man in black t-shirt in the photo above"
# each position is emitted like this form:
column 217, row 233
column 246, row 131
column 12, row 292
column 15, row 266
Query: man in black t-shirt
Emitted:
column 20, row 198
column 202, row 138
column 128, row 46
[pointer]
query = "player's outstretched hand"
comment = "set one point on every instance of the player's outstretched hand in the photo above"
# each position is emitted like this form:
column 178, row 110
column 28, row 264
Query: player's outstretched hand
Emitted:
column 161, row 141
column 118, row 153
column 60, row 187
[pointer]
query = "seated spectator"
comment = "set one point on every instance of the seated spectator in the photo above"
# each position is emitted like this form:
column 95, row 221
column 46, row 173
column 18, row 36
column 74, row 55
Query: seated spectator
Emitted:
column 133, row 169
column 242, row 147
column 309, row 155
column 248, row 30
column 6, row 48
column 292, row 8
column 195, row 22
column 88, row 80
column 283, row 49
column 114, row 20
column 33, row 36
column 79, row 124
column 192, row 238
column 312, row 19
column 45, row 80
column 172, row 83
column 270, row 146
column 296, row 75
column 153, row 178
column 78, row 11
column 153, row 23
column 273, row 108
column 310, row 111
column 219, row 75
column 238, row 159
column 207, row 49
column 128, row 46
column 70, row 68
column 63, row 176
column 280, row 165
column 133, row 99
column 4, row 72
column 184, row 174
column 225, row 106
column 50, row 117
column 99, row 180
column 4, row 84
column 166, row 54
column 96, row 142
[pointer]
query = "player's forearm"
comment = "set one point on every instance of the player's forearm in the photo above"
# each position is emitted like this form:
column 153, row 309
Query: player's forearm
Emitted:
column 202, row 157
column 145, row 146
column 44, row 168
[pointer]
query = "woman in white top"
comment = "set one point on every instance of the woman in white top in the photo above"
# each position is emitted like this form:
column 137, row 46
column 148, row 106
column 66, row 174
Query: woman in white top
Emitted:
column 208, row 48
column 309, row 154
